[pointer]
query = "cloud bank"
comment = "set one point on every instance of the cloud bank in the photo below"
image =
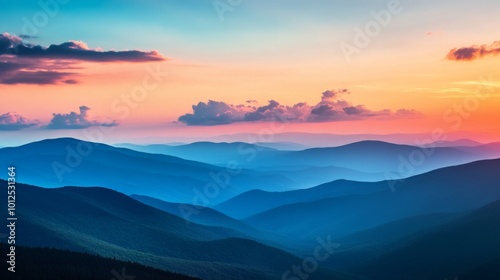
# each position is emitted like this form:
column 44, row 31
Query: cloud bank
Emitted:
column 76, row 50
column 13, row 121
column 474, row 52
column 75, row 120
column 331, row 108
column 23, row 63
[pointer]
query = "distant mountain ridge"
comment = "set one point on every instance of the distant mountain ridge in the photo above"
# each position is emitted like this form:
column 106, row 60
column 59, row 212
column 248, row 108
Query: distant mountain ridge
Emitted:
column 366, row 156
column 208, row 152
column 67, row 161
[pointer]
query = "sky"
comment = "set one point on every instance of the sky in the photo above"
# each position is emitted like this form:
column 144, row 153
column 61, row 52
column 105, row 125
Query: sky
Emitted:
column 142, row 71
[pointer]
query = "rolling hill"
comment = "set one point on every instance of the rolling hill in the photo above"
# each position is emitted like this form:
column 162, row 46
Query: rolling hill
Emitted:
column 256, row 201
column 448, row 190
column 376, row 156
column 466, row 248
column 110, row 224
column 203, row 216
column 67, row 161
column 209, row 152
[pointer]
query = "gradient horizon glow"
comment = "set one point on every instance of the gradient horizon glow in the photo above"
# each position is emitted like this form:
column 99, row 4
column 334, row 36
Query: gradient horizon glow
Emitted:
column 436, row 59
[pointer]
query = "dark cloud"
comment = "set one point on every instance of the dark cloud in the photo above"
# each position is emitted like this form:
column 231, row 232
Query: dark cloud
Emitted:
column 75, row 120
column 70, row 81
column 25, row 72
column 35, row 77
column 355, row 110
column 6, row 67
column 330, row 95
column 8, row 43
column 212, row 113
column 75, row 50
column 474, row 52
column 23, row 63
column 262, row 113
column 323, row 113
column 13, row 121
column 331, row 108
column 22, row 36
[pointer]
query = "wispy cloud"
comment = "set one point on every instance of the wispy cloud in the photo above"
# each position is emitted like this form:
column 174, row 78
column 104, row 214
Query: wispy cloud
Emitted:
column 436, row 90
column 480, row 83
column 332, row 107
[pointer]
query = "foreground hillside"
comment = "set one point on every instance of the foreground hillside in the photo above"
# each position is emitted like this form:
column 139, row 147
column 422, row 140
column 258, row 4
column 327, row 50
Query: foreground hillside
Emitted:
column 53, row 264
column 105, row 222
column 468, row 248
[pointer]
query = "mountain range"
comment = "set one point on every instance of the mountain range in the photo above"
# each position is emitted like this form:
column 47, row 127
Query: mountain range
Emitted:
column 126, row 208
column 110, row 224
column 67, row 161
column 448, row 190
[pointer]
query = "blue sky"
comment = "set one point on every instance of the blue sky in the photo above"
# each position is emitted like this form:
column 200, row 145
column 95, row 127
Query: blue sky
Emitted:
column 285, row 51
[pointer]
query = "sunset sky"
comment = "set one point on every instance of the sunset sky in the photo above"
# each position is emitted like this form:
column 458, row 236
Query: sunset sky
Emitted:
column 141, row 68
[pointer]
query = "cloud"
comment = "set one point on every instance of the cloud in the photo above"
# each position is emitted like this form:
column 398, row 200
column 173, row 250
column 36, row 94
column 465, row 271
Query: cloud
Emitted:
column 70, row 81
column 408, row 113
column 34, row 77
column 8, row 42
column 355, row 110
column 434, row 33
column 6, row 67
column 24, row 63
column 23, row 36
column 75, row 120
column 26, row 72
column 331, row 108
column 262, row 113
column 211, row 113
column 13, row 121
column 75, row 50
column 474, row 52
column 324, row 113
